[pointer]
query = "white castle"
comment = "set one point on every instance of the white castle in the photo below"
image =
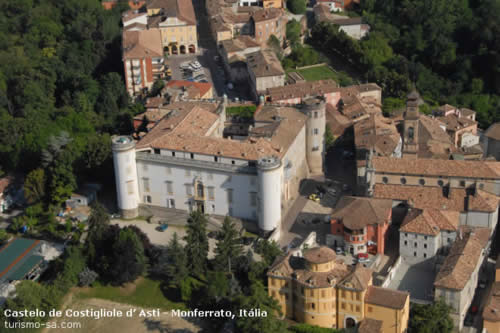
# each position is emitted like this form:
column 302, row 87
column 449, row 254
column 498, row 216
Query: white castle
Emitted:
column 196, row 159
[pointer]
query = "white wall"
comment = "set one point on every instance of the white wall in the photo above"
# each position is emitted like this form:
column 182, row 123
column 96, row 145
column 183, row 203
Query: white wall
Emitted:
column 158, row 175
column 425, row 249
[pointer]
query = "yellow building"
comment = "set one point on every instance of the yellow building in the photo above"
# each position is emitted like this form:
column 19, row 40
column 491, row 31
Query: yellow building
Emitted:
column 273, row 3
column 319, row 290
column 491, row 312
column 176, row 21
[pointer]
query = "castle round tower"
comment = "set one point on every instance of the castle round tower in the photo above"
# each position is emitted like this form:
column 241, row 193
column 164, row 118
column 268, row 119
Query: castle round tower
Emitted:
column 315, row 110
column 269, row 176
column 127, row 189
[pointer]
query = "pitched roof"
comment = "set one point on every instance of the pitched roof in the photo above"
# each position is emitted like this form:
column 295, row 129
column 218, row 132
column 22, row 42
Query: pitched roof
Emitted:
column 430, row 221
column 376, row 133
column 358, row 212
column 388, row 298
column 454, row 123
column 289, row 266
column 201, row 87
column 267, row 14
column 348, row 21
column 437, row 167
column 441, row 198
column 302, row 90
column 320, row 255
column 369, row 325
column 142, row 44
column 181, row 9
column 239, row 44
column 337, row 122
column 264, row 63
column 462, row 259
column 359, row 279
column 433, row 141
column 491, row 311
column 493, row 132
column 188, row 125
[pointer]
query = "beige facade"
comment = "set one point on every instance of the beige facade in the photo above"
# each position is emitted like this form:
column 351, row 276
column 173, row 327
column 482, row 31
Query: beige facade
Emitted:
column 178, row 37
column 318, row 290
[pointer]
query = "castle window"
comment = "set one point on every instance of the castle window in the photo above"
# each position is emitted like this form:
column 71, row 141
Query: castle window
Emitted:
column 425, row 255
column 145, row 184
column 313, row 306
column 216, row 159
column 316, row 131
column 157, row 151
column 316, row 114
column 421, row 181
column 406, row 242
column 410, row 134
column 440, row 182
column 481, row 186
column 211, row 193
column 170, row 189
column 403, row 180
column 232, row 162
column 414, row 254
column 173, row 154
column 425, row 246
column 311, row 293
column 253, row 199
column 462, row 183
column 385, row 180
column 147, row 198
column 358, row 298
column 343, row 306
column 416, row 244
column 229, row 195
column 192, row 156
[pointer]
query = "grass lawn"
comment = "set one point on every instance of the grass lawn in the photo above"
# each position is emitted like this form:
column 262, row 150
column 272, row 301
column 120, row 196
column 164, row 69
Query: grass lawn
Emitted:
column 324, row 73
column 144, row 292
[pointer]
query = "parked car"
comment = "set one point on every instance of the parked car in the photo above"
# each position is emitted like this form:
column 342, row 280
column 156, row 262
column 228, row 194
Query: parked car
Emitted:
column 362, row 257
column 162, row 227
column 314, row 197
column 339, row 250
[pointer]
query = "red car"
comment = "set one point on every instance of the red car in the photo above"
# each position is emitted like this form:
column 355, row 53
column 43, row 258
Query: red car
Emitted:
column 363, row 255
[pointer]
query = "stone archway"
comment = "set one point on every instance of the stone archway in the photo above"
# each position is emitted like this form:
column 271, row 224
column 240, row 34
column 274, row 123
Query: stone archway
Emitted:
column 174, row 50
column 182, row 49
column 166, row 50
column 192, row 48
column 350, row 322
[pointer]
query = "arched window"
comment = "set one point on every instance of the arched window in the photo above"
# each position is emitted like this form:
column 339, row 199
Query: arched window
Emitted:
column 421, row 181
column 385, row 180
column 440, row 182
column 403, row 180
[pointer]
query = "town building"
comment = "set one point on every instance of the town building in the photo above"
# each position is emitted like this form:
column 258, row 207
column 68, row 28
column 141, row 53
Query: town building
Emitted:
column 331, row 5
column 360, row 224
column 457, row 278
column 458, row 123
column 491, row 311
column 184, row 162
column 6, row 199
column 492, row 141
column 293, row 94
column 426, row 232
column 319, row 289
column 354, row 27
column 143, row 59
column 135, row 20
column 265, row 71
column 233, row 53
column 21, row 259
column 176, row 21
column 269, row 22
column 133, row 4
column 179, row 90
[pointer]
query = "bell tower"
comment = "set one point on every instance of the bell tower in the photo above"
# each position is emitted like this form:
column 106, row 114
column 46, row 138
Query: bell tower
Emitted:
column 410, row 123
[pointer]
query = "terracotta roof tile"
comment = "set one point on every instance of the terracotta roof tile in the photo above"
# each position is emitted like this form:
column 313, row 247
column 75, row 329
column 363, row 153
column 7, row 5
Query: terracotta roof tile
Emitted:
column 430, row 221
column 493, row 132
column 359, row 279
column 320, row 255
column 462, row 259
column 302, row 90
column 437, row 167
column 376, row 133
column 201, row 87
column 491, row 311
column 389, row 298
column 264, row 63
column 369, row 325
column 358, row 212
column 142, row 44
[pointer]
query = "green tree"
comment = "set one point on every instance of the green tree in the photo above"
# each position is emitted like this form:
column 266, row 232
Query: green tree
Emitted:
column 259, row 299
column 269, row 250
column 197, row 243
column 129, row 259
column 176, row 262
column 297, row 6
column 306, row 328
column 293, row 32
column 158, row 85
column 34, row 186
column 274, row 44
column 430, row 318
column 329, row 138
column 228, row 246
column 3, row 236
